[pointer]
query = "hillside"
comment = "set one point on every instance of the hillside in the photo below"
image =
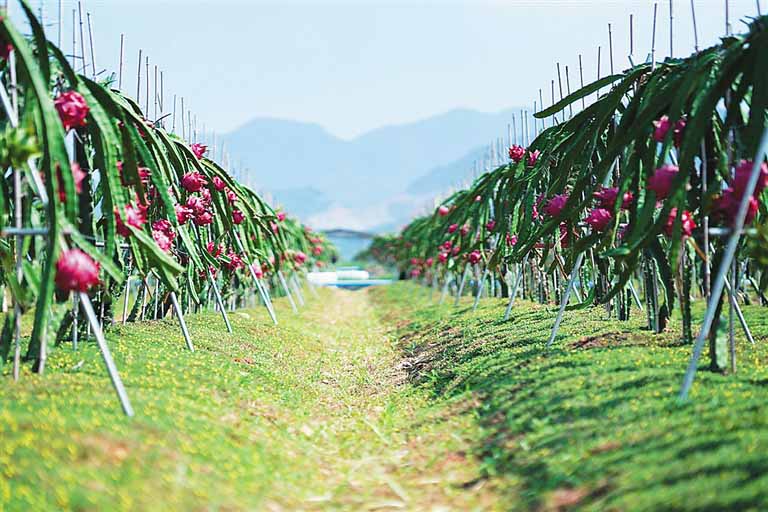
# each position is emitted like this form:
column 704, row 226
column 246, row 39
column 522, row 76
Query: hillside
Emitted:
column 368, row 175
column 439, row 178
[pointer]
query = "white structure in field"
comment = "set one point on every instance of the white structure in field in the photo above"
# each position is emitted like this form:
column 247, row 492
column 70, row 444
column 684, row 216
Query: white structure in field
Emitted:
column 331, row 278
column 345, row 278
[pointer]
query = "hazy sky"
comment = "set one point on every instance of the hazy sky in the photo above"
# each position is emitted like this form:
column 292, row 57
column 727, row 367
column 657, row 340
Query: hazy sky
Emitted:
column 357, row 65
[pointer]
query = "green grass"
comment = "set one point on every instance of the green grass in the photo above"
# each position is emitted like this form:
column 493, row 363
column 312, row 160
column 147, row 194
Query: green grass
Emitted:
column 593, row 423
column 313, row 414
column 381, row 400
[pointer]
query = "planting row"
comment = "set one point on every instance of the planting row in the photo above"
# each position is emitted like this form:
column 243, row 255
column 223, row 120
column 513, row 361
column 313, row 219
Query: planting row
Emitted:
column 640, row 187
column 95, row 192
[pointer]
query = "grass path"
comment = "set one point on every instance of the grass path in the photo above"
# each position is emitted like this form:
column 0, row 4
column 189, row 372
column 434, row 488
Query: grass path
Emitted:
column 314, row 414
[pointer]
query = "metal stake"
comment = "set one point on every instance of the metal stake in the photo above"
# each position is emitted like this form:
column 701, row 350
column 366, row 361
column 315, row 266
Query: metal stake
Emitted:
column 262, row 292
column 120, row 68
column 480, row 287
column 182, row 323
column 653, row 39
column 444, row 293
column 566, row 296
column 106, row 355
column 740, row 315
column 93, row 52
column 75, row 326
column 671, row 30
column 464, row 277
column 730, row 252
column 297, row 288
column 219, row 302
column 138, row 81
column 127, row 298
column 513, row 294
column 266, row 298
column 287, row 291
column 157, row 298
column 635, row 295
column 82, row 36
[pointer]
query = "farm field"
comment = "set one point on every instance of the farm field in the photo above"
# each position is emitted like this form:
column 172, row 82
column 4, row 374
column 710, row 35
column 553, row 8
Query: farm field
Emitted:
column 567, row 302
column 390, row 402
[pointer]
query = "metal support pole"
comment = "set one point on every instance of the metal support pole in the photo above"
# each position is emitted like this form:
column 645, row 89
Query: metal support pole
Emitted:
column 120, row 64
column 127, row 298
column 82, row 37
column 144, row 297
column 219, row 302
column 464, row 277
column 310, row 285
column 513, row 294
column 106, row 355
column 156, row 299
column 297, row 288
column 731, row 313
column 265, row 297
column 287, row 291
column 480, row 287
column 566, row 296
column 262, row 292
column 75, row 314
column 182, row 323
column 740, row 315
column 87, row 332
column 635, row 295
column 12, row 111
column 561, row 265
column 90, row 39
column 444, row 293
column 19, row 276
column 101, row 310
column 728, row 255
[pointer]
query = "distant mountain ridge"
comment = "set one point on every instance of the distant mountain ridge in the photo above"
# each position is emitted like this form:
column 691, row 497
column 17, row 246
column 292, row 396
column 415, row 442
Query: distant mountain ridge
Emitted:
column 452, row 174
column 376, row 179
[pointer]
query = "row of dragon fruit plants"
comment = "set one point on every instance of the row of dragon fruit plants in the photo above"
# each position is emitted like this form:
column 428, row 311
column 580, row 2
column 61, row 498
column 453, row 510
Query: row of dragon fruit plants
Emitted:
column 129, row 198
column 642, row 185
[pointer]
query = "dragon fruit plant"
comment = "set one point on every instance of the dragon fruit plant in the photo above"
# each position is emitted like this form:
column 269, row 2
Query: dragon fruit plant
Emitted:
column 130, row 197
column 621, row 182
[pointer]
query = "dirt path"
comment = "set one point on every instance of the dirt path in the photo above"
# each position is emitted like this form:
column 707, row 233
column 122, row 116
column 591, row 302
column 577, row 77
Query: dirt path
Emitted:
column 380, row 443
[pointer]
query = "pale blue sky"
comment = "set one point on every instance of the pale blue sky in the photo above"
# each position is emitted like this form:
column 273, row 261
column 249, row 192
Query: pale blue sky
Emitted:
column 355, row 66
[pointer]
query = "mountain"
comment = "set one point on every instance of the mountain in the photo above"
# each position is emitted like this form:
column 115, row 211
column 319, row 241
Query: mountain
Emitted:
column 283, row 154
column 443, row 177
column 368, row 181
column 301, row 201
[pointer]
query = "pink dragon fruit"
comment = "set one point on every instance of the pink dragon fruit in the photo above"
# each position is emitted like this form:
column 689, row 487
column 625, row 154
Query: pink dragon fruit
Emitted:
column 76, row 271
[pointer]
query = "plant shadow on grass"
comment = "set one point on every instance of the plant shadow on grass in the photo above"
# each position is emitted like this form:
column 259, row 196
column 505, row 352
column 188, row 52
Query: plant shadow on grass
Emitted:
column 595, row 417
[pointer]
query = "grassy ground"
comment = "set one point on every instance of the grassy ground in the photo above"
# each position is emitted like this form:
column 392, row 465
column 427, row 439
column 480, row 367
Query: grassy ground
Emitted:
column 592, row 423
column 382, row 400
column 313, row 414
